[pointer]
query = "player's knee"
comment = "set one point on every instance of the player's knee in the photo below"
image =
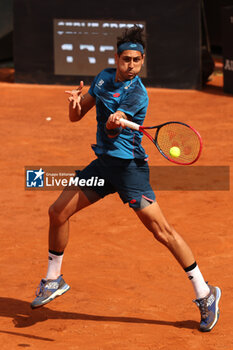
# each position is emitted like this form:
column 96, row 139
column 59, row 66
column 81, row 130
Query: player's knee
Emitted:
column 165, row 234
column 56, row 218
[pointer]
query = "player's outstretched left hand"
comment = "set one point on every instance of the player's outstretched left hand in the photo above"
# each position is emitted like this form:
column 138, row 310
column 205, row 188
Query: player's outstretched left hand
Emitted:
column 76, row 95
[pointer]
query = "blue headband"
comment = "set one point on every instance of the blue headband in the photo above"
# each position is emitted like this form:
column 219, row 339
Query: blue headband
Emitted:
column 130, row 46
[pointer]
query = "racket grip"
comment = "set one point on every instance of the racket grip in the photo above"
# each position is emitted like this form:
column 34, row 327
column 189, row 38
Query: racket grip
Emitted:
column 130, row 124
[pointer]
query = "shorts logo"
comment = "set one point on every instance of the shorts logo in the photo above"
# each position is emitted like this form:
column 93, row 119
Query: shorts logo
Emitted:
column 35, row 178
column 133, row 201
column 116, row 94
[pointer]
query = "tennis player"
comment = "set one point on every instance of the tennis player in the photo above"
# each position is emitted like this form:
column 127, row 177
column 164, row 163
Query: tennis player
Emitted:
column 122, row 163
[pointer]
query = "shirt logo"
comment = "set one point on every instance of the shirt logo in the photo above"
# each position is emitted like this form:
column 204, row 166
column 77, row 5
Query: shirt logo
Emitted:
column 116, row 94
column 100, row 83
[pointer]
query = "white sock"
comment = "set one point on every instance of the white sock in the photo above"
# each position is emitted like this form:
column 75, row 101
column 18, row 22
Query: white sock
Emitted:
column 54, row 266
column 201, row 288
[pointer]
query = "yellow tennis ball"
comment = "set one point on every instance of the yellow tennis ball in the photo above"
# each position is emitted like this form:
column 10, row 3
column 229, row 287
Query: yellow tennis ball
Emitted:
column 175, row 152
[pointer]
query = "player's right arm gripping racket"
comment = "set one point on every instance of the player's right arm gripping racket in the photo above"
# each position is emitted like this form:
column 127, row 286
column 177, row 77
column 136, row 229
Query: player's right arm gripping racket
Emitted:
column 173, row 134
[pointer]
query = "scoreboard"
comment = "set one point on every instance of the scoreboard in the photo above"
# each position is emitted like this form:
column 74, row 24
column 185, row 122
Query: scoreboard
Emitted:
column 85, row 47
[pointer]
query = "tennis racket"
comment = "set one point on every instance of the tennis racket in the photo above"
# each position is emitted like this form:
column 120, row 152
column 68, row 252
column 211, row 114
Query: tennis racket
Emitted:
column 176, row 141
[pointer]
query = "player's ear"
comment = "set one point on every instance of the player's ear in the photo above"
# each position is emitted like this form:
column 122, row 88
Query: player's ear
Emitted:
column 143, row 58
column 116, row 57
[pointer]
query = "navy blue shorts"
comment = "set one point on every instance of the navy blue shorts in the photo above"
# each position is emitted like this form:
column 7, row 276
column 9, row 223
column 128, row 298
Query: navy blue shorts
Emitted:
column 128, row 177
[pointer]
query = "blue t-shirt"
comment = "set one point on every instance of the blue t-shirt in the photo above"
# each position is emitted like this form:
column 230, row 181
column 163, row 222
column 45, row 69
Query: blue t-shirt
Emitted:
column 129, row 97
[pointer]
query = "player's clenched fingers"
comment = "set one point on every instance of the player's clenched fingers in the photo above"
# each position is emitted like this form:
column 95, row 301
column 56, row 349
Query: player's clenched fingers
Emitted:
column 111, row 124
column 111, row 118
column 115, row 118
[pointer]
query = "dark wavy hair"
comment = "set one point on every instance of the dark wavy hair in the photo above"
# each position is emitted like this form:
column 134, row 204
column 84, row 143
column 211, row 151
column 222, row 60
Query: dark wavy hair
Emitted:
column 133, row 34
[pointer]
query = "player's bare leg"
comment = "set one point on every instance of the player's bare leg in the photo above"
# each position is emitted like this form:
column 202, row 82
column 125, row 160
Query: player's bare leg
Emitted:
column 207, row 296
column 153, row 218
column 68, row 203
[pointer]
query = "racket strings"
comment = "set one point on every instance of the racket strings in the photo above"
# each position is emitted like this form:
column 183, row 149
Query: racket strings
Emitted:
column 181, row 136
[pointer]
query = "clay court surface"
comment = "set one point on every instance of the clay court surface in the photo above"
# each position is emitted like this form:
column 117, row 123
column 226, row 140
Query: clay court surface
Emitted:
column 127, row 291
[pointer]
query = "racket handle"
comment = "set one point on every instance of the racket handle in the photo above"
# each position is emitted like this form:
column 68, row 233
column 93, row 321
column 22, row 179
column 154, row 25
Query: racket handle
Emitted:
column 130, row 124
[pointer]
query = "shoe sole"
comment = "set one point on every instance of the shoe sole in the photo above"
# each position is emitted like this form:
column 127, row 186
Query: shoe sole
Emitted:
column 56, row 294
column 218, row 296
